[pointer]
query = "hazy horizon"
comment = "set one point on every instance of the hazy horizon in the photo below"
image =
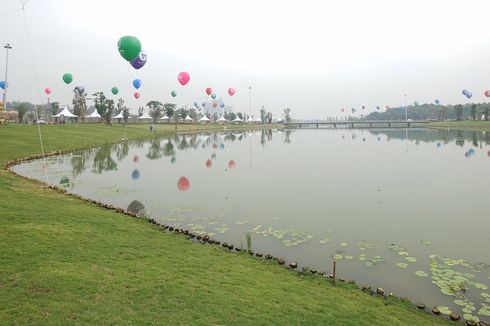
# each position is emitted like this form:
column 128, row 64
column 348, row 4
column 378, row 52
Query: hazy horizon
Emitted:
column 313, row 57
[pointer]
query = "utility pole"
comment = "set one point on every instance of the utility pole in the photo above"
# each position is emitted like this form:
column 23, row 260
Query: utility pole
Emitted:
column 8, row 47
column 250, row 101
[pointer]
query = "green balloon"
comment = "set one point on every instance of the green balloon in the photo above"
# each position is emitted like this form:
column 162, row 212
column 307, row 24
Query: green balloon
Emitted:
column 115, row 90
column 67, row 78
column 129, row 47
column 213, row 96
column 174, row 93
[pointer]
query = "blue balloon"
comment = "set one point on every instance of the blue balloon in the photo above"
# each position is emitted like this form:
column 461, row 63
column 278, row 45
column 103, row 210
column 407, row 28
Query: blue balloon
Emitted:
column 203, row 104
column 3, row 84
column 469, row 95
column 137, row 83
column 136, row 174
column 465, row 92
column 437, row 101
column 221, row 104
column 222, row 146
column 377, row 108
column 438, row 144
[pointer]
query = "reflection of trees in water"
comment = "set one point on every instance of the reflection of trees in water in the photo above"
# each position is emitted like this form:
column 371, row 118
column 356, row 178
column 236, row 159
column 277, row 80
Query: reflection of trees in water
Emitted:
column 121, row 150
column 103, row 160
column 287, row 135
column 183, row 144
column 168, row 148
column 155, row 151
column 459, row 137
column 79, row 162
column 265, row 136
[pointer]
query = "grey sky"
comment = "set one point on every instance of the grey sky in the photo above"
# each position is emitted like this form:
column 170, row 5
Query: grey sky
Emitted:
column 315, row 57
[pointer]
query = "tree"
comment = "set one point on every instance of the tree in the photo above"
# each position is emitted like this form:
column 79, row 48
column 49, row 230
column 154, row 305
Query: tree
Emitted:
column 125, row 114
column 79, row 102
column 21, row 109
column 263, row 115
column 458, row 109
column 181, row 113
column 485, row 110
column 54, row 108
column 169, row 109
column 240, row 115
column 231, row 116
column 156, row 109
column 473, row 111
column 105, row 107
column 287, row 115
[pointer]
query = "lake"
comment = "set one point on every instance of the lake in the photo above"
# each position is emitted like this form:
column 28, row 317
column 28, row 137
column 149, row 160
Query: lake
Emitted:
column 405, row 210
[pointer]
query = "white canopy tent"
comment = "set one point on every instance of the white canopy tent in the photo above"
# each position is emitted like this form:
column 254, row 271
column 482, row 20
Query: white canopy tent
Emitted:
column 222, row 120
column 65, row 113
column 164, row 118
column 237, row 120
column 94, row 114
column 145, row 116
column 188, row 119
column 259, row 120
column 204, row 119
column 119, row 116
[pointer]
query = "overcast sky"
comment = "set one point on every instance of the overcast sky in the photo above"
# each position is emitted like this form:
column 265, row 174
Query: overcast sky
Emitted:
column 315, row 57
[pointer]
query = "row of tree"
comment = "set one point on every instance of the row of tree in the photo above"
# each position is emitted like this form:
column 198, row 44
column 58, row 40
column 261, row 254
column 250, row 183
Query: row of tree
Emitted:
column 468, row 111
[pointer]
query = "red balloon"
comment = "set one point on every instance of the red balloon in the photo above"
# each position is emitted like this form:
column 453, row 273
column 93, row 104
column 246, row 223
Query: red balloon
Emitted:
column 231, row 91
column 487, row 93
column 209, row 90
column 48, row 90
column 209, row 163
column 184, row 78
column 215, row 146
column 183, row 184
column 136, row 95
column 215, row 104
column 231, row 164
column 488, row 154
column 136, row 159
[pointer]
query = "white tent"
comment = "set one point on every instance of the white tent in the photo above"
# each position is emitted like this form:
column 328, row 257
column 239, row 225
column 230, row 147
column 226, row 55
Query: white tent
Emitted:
column 145, row 116
column 237, row 120
column 188, row 118
column 204, row 119
column 65, row 113
column 119, row 116
column 259, row 120
column 222, row 120
column 94, row 114
column 164, row 118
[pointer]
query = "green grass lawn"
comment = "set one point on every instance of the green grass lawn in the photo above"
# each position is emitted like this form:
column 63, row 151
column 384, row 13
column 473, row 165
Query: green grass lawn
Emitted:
column 462, row 125
column 63, row 261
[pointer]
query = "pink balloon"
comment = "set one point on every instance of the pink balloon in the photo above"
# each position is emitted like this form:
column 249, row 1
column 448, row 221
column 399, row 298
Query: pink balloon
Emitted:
column 487, row 93
column 184, row 78
column 136, row 95
column 48, row 90
column 231, row 91
column 209, row 90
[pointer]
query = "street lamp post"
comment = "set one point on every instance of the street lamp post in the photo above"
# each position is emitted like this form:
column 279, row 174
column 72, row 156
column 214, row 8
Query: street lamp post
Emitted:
column 406, row 108
column 250, row 101
column 8, row 47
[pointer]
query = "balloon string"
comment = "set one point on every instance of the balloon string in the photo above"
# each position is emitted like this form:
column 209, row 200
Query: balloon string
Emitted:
column 36, row 75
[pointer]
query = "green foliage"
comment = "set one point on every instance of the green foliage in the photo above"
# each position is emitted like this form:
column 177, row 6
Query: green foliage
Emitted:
column 21, row 108
column 287, row 115
column 169, row 109
column 458, row 110
column 104, row 106
column 79, row 103
column 156, row 109
column 248, row 237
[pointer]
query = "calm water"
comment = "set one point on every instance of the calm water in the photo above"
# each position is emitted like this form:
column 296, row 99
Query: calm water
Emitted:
column 384, row 203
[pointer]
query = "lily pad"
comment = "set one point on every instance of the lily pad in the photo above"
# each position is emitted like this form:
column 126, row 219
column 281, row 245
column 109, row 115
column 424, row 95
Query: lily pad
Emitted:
column 403, row 253
column 402, row 265
column 337, row 257
column 421, row 274
column 480, row 286
column 343, row 244
column 426, row 242
column 444, row 310
column 447, row 291
column 411, row 259
column 471, row 317
column 369, row 264
column 349, row 257
column 460, row 302
column 485, row 311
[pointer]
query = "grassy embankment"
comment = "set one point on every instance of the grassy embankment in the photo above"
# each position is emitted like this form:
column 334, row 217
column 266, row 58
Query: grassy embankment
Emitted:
column 462, row 125
column 64, row 260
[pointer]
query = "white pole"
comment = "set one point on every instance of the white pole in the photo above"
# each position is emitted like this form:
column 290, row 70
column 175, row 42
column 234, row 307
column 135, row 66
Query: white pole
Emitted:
column 406, row 108
column 8, row 47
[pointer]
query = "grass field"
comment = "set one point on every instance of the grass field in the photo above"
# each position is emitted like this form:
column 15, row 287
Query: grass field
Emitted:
column 462, row 125
column 64, row 261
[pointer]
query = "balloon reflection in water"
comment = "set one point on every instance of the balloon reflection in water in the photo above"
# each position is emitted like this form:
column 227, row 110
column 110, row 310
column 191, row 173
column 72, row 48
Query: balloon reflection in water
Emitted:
column 183, row 184
column 231, row 164
column 136, row 174
column 136, row 159
column 209, row 163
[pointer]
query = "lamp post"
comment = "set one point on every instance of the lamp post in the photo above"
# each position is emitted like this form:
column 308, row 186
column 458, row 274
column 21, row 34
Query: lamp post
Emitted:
column 406, row 108
column 8, row 47
column 250, row 101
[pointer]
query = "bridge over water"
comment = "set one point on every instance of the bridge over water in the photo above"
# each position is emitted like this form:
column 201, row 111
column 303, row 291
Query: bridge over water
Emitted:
column 356, row 124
